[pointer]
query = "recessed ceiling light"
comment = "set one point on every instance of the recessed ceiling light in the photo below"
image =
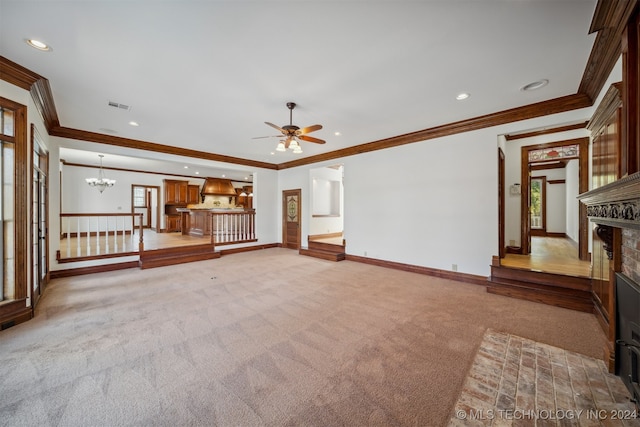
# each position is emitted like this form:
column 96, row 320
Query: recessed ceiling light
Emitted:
column 337, row 133
column 462, row 96
column 224, row 176
column 535, row 85
column 37, row 44
column 197, row 173
column 186, row 167
column 132, row 123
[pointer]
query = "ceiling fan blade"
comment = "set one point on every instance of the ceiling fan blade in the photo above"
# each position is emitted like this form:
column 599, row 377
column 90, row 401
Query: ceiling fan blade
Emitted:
column 311, row 139
column 270, row 136
column 274, row 126
column 309, row 129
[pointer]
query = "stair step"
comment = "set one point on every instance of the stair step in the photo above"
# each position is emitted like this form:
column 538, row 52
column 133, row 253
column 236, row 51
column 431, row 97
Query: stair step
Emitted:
column 577, row 303
column 547, row 288
column 326, row 247
column 177, row 255
column 327, row 255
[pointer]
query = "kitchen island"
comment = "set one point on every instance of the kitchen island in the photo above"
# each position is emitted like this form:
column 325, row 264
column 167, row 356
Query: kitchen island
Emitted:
column 223, row 225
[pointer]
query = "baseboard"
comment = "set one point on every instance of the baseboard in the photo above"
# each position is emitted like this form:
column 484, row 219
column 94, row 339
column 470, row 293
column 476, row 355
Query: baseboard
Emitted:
column 55, row 274
column 249, row 248
column 443, row 274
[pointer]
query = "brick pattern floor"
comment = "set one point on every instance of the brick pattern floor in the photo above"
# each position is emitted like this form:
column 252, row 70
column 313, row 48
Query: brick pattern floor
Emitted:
column 518, row 382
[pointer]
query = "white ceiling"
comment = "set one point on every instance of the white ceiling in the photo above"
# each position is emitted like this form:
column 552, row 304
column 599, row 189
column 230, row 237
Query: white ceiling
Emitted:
column 206, row 75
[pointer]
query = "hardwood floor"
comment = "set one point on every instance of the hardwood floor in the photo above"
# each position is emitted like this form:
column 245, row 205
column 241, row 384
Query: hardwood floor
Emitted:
column 551, row 255
column 72, row 248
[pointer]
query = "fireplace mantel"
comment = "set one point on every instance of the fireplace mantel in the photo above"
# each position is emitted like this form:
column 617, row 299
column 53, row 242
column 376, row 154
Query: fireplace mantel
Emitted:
column 616, row 204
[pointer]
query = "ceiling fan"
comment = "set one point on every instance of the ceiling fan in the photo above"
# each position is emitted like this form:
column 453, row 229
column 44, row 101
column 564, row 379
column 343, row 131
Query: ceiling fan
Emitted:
column 292, row 133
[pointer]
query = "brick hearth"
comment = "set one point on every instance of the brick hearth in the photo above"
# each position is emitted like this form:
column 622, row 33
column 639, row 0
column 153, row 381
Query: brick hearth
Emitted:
column 518, row 382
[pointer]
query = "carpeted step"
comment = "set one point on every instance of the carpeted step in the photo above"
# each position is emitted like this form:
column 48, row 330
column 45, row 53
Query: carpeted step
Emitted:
column 177, row 255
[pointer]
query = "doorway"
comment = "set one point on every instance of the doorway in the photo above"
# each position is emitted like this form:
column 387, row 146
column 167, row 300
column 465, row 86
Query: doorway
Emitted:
column 144, row 200
column 39, row 217
column 552, row 155
column 291, row 214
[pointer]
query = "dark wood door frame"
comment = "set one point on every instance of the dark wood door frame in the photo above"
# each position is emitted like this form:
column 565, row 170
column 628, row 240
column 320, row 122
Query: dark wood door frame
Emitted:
column 501, row 208
column 583, row 186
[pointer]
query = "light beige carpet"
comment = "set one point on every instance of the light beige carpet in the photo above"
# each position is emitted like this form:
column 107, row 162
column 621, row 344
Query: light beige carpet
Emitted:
column 262, row 338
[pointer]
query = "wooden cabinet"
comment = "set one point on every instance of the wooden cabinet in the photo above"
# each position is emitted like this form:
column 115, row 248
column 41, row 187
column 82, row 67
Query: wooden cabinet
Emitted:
column 193, row 194
column 175, row 192
column 605, row 127
column 173, row 223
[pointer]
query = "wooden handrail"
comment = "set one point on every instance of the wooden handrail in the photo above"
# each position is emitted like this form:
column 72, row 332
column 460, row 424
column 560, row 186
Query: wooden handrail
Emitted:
column 85, row 227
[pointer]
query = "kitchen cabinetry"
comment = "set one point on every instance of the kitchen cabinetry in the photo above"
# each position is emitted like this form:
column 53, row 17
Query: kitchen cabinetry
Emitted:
column 175, row 192
column 174, row 223
column 193, row 194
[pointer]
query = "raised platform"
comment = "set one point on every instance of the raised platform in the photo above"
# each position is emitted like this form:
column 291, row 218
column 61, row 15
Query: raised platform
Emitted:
column 177, row 255
column 547, row 288
column 323, row 250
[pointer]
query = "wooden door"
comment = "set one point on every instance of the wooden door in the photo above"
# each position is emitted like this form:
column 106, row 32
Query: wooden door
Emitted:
column 291, row 218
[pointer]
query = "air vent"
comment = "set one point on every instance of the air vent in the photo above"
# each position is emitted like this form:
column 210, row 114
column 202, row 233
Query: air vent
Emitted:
column 118, row 105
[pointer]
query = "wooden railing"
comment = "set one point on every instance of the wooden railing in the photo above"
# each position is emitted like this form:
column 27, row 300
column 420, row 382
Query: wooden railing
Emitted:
column 89, row 235
column 233, row 227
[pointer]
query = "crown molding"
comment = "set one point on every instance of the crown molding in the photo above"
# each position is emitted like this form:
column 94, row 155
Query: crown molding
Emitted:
column 553, row 106
column 99, row 138
column 609, row 21
column 37, row 85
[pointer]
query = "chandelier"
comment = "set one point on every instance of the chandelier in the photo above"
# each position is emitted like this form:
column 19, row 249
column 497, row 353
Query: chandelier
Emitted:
column 101, row 182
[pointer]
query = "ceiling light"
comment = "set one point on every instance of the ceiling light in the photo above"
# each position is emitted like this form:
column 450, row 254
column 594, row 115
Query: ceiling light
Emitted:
column 337, row 133
column 186, row 167
column 101, row 182
column 197, row 173
column 535, row 85
column 37, row 44
column 281, row 146
column 462, row 96
column 132, row 123
column 297, row 149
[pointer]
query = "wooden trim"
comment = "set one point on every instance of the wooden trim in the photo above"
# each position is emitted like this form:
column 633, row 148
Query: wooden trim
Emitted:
column 611, row 101
column 224, row 252
column 93, row 257
column 516, row 136
column 64, row 132
column 444, row 274
column 14, row 312
column 552, row 106
column 37, row 85
column 630, row 133
column 557, row 181
column 609, row 20
column 558, row 164
column 56, row 274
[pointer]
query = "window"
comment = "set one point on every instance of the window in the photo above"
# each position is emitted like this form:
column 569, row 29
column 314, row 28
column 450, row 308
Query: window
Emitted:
column 139, row 197
column 538, row 208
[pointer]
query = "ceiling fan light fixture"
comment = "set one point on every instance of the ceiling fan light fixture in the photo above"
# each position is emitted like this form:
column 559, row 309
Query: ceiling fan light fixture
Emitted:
column 281, row 146
column 297, row 149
